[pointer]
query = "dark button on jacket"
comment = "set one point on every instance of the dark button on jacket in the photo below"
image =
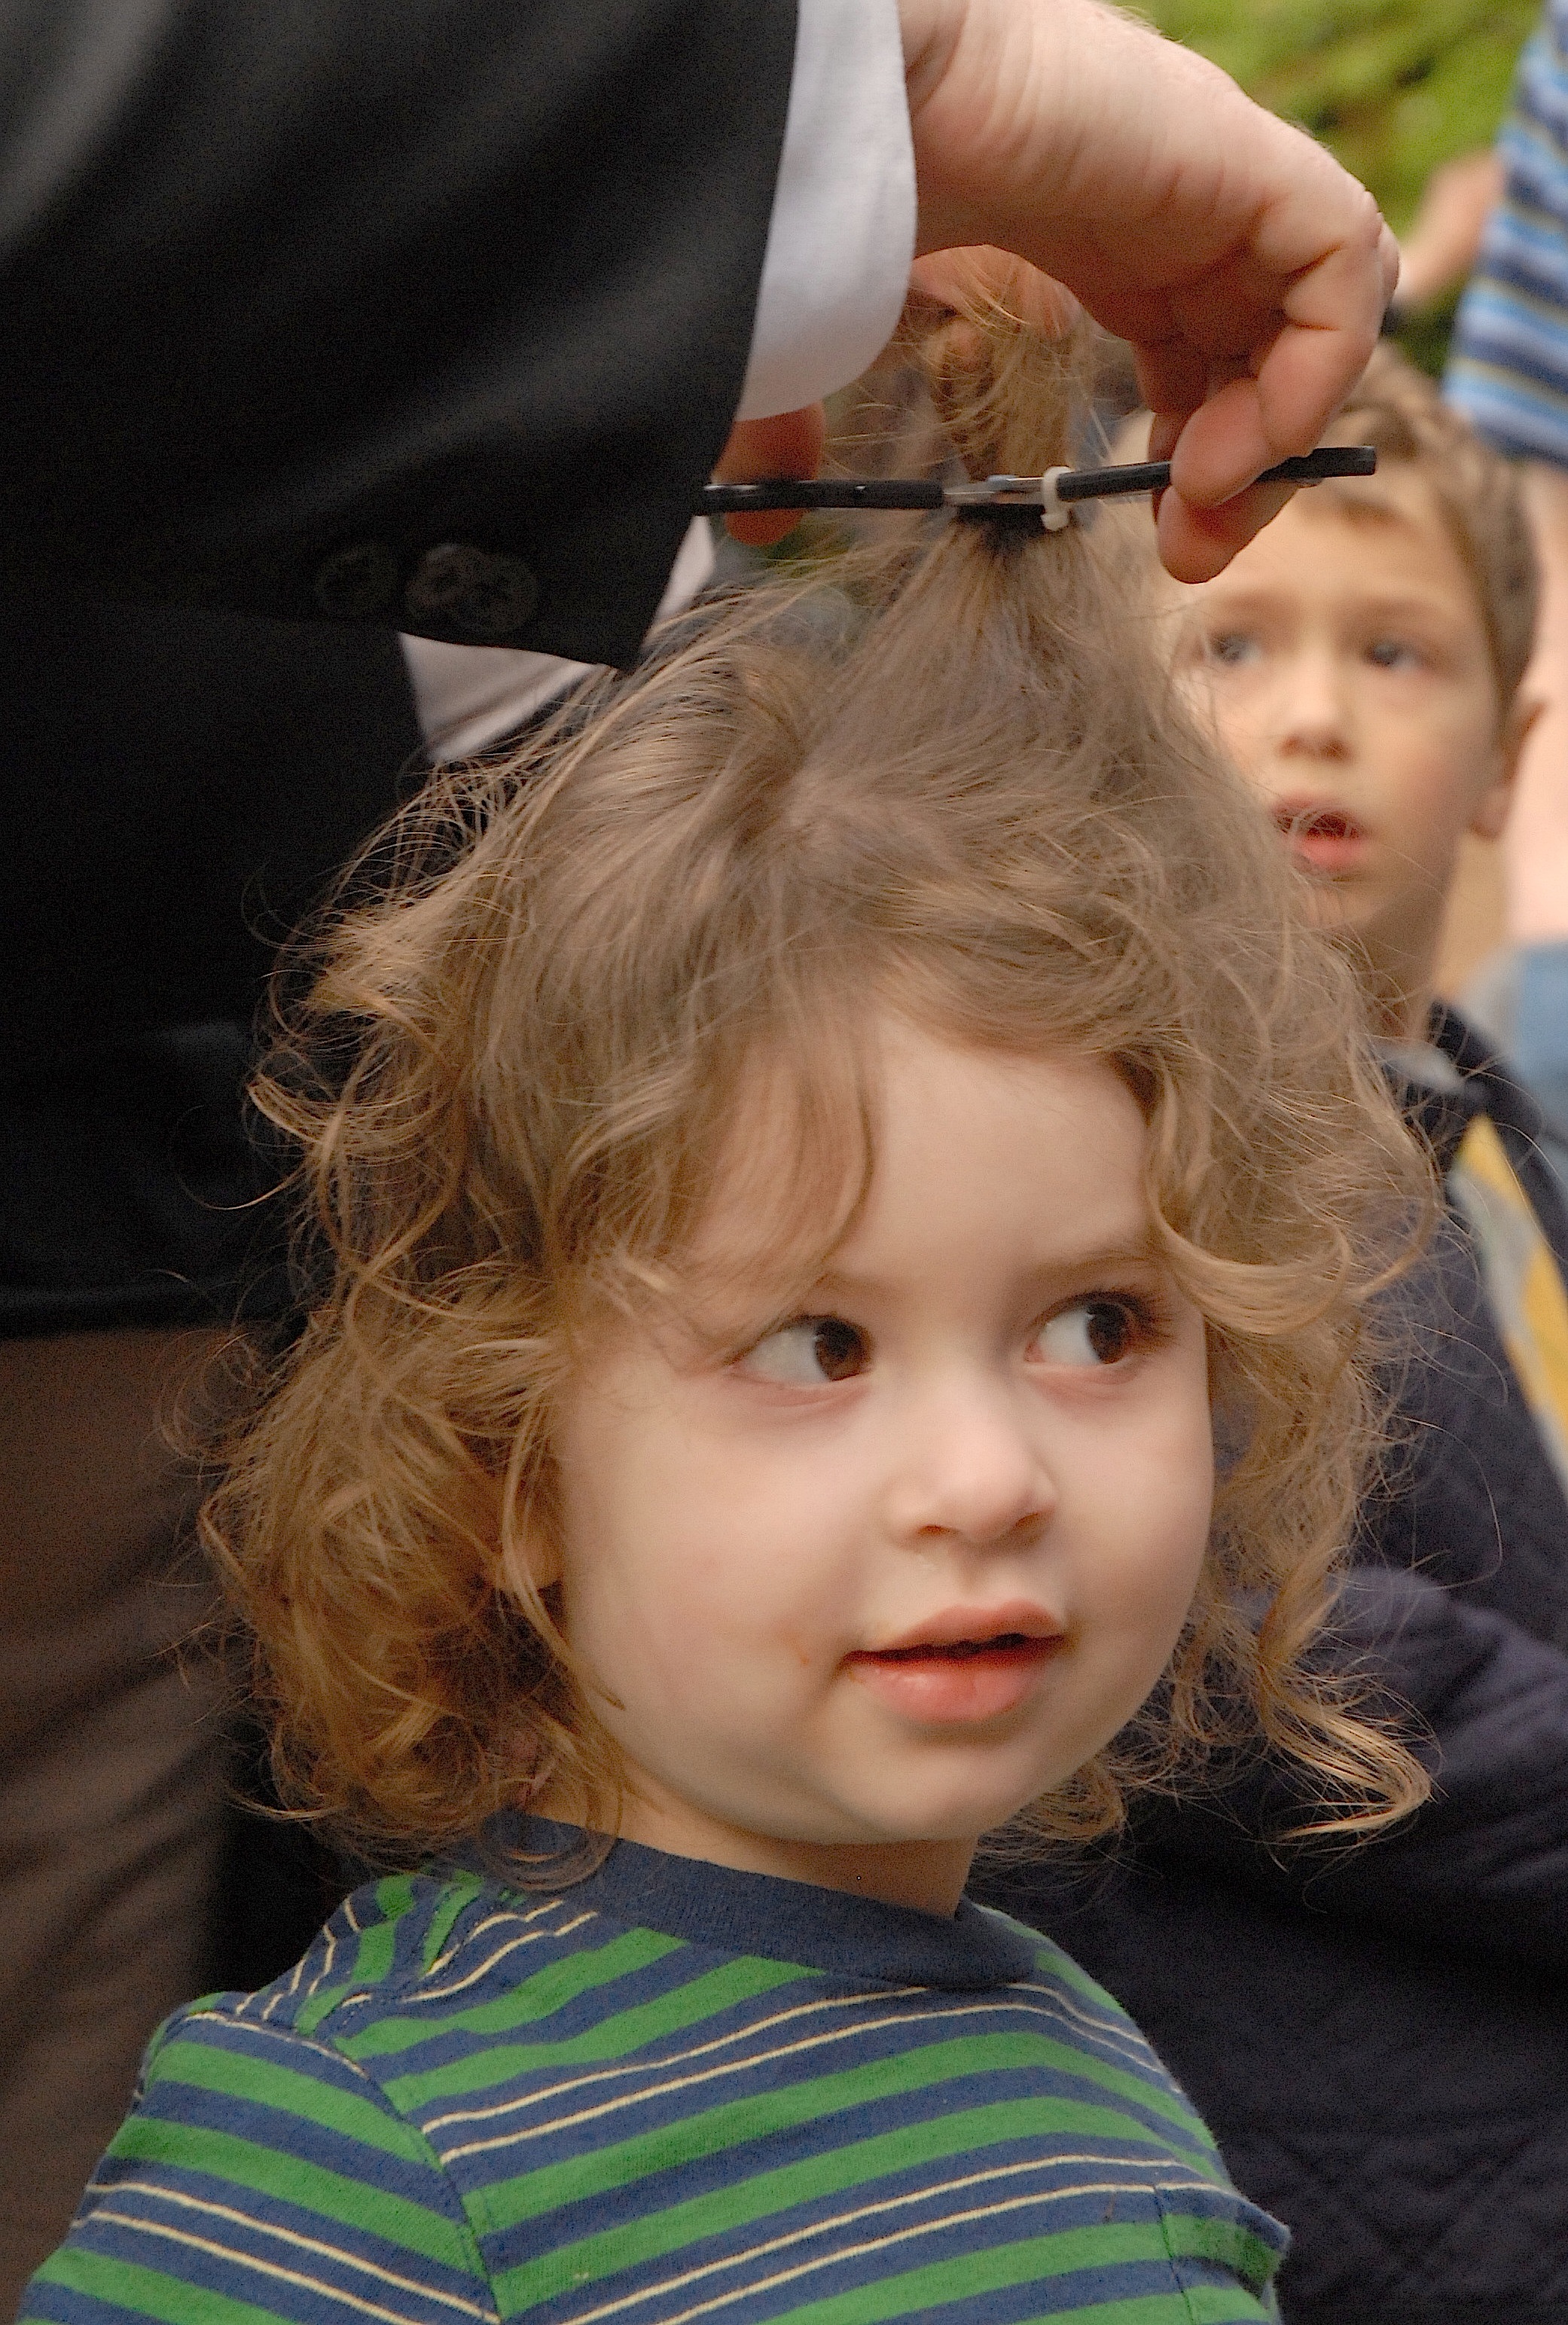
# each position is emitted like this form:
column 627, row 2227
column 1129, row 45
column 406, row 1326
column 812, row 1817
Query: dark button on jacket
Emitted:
column 476, row 596
column 357, row 583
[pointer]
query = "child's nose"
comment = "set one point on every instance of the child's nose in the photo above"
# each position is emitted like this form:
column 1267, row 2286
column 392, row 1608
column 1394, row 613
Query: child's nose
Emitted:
column 1311, row 713
column 972, row 1467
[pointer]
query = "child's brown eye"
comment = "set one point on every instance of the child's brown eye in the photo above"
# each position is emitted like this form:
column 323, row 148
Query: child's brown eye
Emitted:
column 1090, row 1332
column 808, row 1351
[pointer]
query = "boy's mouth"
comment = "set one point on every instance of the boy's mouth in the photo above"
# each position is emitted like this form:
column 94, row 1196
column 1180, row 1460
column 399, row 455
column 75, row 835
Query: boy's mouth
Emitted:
column 1324, row 839
column 964, row 1667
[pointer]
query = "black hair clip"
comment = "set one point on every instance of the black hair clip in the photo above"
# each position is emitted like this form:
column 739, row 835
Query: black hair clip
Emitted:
column 1051, row 495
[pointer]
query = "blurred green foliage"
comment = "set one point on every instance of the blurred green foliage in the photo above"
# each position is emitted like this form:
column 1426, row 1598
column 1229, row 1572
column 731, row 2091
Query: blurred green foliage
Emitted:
column 1392, row 87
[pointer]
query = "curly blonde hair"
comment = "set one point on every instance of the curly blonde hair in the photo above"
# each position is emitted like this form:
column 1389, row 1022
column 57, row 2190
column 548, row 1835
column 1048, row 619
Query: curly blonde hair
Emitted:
column 948, row 782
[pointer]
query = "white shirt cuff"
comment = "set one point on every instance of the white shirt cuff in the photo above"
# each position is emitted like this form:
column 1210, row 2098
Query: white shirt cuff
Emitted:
column 841, row 238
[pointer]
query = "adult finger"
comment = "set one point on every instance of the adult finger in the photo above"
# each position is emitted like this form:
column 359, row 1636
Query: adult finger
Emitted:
column 1279, row 401
column 1197, row 542
column 787, row 444
column 1245, row 424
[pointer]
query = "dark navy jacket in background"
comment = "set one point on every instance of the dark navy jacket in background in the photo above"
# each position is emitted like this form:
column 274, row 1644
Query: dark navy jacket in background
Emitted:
column 1377, row 2035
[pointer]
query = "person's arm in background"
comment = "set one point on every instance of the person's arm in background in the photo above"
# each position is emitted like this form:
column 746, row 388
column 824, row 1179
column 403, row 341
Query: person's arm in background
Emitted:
column 301, row 296
column 1439, row 249
column 1536, row 839
column 1509, row 374
column 298, row 292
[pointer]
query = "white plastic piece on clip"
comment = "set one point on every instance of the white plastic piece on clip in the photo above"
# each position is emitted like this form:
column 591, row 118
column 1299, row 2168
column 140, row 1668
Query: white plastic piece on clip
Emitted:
column 1054, row 511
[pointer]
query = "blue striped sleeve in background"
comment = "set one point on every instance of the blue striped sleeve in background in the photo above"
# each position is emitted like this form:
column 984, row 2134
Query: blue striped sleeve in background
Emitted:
column 1509, row 366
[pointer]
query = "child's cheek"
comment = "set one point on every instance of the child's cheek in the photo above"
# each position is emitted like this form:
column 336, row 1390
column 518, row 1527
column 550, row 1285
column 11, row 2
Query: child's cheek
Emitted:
column 1149, row 1501
column 742, row 1616
column 687, row 1618
column 1160, row 1581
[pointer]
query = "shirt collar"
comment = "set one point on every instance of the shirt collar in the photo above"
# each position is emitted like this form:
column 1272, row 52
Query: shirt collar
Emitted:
column 756, row 1914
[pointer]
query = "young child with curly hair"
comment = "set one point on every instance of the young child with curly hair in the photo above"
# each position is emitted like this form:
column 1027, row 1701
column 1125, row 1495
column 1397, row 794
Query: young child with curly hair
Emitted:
column 806, row 1162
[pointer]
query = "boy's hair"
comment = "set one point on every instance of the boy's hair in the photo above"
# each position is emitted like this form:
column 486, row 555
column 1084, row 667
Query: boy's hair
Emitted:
column 1476, row 492
column 945, row 782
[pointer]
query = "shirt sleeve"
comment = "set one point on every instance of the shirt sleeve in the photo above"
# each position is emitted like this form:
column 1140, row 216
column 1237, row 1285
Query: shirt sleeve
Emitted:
column 261, row 2177
column 432, row 315
column 468, row 698
column 1509, row 369
column 841, row 235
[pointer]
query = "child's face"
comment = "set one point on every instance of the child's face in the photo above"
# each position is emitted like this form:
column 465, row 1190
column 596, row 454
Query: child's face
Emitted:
column 1344, row 659
column 857, row 1594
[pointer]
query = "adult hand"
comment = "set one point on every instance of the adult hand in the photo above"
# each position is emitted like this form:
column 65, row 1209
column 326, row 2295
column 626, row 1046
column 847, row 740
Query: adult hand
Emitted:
column 1246, row 268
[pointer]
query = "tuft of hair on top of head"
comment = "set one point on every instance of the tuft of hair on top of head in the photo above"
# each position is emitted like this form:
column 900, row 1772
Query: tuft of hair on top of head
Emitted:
column 948, row 784
column 1474, row 490
column 1008, row 390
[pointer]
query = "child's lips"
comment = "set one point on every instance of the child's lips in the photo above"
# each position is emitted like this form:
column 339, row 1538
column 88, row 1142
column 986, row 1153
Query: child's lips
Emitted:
column 1324, row 839
column 957, row 1680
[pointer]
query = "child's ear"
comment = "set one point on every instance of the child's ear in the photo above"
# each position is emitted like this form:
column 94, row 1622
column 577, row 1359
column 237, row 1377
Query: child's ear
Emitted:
column 1491, row 812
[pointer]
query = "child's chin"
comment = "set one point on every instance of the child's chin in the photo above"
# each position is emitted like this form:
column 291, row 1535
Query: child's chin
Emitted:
column 943, row 1823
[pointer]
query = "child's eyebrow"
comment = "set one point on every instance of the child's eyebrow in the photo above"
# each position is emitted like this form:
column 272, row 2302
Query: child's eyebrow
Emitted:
column 1408, row 606
column 1232, row 593
column 1072, row 1268
column 1227, row 600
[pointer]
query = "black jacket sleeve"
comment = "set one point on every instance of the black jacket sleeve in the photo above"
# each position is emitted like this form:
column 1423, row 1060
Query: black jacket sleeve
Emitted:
column 431, row 313
column 1483, row 1868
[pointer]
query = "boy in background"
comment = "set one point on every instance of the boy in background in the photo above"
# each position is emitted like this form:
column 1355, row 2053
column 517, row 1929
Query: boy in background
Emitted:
column 1373, row 2036
column 1365, row 666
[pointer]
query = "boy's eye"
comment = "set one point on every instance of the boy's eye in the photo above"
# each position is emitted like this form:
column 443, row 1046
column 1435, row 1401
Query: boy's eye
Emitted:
column 808, row 1351
column 1392, row 653
column 1090, row 1332
column 1230, row 648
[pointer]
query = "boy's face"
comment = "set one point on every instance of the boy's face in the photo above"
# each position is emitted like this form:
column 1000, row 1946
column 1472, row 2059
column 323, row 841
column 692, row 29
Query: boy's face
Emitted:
column 856, row 1593
column 1344, row 659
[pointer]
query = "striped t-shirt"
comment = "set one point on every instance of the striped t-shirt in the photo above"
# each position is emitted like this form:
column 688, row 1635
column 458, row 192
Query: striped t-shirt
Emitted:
column 1508, row 367
column 669, row 2092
